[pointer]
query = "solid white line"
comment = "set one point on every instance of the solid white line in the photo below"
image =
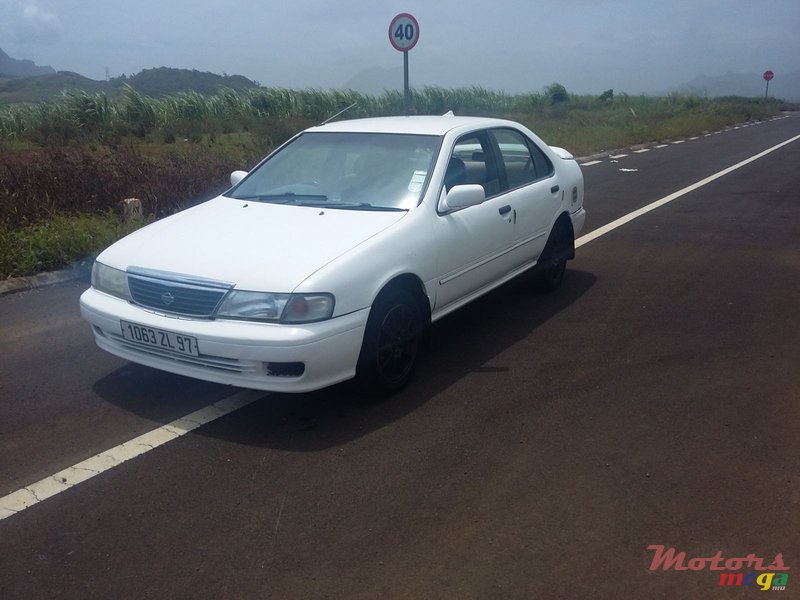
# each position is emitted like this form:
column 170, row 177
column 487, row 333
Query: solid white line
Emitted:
column 591, row 162
column 593, row 235
column 48, row 487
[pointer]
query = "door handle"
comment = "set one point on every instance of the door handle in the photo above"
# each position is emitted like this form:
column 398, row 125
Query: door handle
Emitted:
column 554, row 189
column 505, row 209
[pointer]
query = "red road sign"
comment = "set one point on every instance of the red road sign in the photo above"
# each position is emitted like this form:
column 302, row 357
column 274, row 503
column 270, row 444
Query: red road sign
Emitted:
column 404, row 32
column 768, row 75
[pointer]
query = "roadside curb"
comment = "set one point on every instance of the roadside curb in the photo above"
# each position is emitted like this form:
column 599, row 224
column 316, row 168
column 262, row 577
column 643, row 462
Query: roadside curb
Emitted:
column 79, row 270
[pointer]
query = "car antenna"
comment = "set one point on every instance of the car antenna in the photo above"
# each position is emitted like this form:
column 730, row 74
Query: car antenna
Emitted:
column 344, row 110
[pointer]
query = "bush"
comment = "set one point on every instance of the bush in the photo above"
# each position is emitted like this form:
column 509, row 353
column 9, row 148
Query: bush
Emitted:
column 37, row 184
column 557, row 93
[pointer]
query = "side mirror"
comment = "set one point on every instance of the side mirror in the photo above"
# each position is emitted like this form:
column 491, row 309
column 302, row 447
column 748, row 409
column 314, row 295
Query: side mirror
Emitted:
column 237, row 176
column 462, row 196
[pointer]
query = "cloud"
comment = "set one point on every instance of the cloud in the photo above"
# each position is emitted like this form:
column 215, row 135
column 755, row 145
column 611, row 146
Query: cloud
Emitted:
column 32, row 23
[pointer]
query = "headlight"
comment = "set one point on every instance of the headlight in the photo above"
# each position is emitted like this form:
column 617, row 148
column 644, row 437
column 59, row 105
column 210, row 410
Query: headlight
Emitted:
column 285, row 308
column 110, row 280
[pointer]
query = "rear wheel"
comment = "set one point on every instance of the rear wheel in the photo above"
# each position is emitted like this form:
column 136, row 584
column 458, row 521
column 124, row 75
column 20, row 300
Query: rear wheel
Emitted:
column 391, row 343
column 549, row 271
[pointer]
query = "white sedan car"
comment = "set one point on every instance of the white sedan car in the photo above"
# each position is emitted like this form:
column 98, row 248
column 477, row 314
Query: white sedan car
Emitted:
column 329, row 259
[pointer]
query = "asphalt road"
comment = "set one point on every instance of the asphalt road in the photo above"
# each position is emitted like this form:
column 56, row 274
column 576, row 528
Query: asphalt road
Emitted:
column 545, row 443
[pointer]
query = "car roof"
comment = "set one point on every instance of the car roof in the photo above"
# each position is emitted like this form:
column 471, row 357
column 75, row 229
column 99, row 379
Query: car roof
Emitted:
column 424, row 125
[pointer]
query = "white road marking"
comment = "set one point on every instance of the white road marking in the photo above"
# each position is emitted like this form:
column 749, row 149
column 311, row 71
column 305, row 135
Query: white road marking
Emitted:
column 694, row 138
column 642, row 151
column 48, row 487
column 617, row 155
column 591, row 162
column 661, row 146
column 601, row 231
column 16, row 502
column 679, row 142
column 629, row 170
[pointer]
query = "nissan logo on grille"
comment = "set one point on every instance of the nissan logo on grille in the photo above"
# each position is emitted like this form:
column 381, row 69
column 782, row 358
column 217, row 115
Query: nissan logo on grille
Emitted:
column 167, row 298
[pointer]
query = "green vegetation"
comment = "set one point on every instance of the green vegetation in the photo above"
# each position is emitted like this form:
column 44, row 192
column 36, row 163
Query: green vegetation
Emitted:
column 60, row 241
column 80, row 117
column 66, row 163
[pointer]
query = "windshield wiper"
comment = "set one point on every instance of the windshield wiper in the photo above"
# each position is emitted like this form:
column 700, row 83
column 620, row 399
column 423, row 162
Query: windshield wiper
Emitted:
column 364, row 206
column 317, row 201
column 288, row 198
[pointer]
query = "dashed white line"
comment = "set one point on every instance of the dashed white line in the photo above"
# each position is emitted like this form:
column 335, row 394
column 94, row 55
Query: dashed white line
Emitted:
column 593, row 235
column 615, row 157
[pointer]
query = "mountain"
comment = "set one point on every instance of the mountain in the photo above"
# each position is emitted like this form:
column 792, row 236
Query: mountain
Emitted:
column 44, row 87
column 785, row 85
column 11, row 67
column 151, row 82
column 164, row 81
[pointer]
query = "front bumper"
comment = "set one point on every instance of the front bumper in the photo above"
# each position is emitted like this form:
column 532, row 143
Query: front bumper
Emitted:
column 234, row 352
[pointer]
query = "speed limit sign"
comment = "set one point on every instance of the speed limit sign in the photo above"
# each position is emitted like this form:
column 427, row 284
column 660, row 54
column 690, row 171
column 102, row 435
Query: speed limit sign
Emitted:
column 404, row 32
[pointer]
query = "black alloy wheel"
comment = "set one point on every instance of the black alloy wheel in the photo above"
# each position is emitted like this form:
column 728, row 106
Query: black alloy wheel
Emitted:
column 391, row 343
column 553, row 262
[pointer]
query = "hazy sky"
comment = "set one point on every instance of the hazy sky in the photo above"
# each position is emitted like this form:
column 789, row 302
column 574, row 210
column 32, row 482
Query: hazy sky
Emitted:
column 514, row 45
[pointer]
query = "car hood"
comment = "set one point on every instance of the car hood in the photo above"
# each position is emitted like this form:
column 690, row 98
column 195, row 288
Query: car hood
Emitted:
column 256, row 246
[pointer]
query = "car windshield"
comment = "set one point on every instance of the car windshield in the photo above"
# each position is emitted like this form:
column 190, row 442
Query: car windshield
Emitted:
column 356, row 171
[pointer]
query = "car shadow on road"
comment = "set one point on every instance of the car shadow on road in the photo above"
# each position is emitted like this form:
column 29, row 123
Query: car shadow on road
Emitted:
column 460, row 344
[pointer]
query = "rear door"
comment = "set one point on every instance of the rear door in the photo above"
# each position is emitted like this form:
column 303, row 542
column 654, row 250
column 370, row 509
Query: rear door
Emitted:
column 532, row 191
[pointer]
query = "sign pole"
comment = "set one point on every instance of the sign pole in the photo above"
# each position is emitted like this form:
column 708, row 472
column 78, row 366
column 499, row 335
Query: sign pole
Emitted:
column 768, row 75
column 407, row 91
column 404, row 35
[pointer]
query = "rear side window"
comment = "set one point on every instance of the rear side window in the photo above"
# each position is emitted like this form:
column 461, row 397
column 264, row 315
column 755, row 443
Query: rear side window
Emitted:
column 473, row 161
column 523, row 160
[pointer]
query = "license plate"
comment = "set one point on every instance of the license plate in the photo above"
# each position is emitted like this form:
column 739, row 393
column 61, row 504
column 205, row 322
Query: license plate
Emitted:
column 158, row 338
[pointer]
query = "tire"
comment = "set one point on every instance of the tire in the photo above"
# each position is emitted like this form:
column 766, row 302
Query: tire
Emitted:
column 549, row 271
column 391, row 343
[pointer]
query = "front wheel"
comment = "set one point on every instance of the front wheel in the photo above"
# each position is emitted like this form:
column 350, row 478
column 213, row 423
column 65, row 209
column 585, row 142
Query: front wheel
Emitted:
column 391, row 343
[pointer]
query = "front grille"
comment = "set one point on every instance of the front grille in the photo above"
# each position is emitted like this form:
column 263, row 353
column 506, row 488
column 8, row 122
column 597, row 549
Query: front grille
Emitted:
column 176, row 294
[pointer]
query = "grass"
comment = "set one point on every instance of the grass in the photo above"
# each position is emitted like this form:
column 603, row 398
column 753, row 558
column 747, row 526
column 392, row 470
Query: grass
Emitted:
column 66, row 164
column 58, row 242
